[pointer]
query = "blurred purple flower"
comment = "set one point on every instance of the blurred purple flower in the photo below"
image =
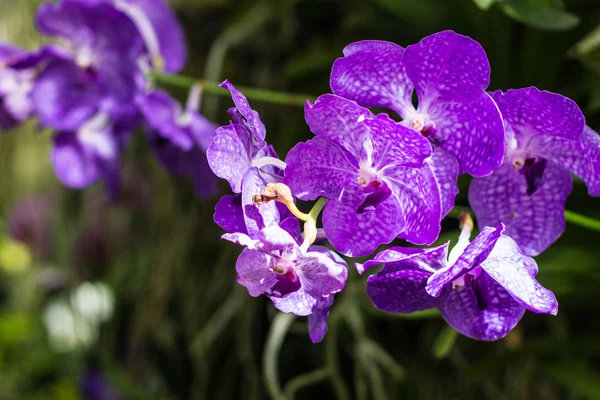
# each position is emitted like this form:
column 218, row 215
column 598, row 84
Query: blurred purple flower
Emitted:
column 95, row 387
column 30, row 221
column 482, row 288
column 180, row 137
column 373, row 171
column 546, row 141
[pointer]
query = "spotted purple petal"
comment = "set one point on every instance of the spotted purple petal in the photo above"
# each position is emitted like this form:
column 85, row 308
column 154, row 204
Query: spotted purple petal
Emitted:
column 474, row 254
column 507, row 266
column 229, row 154
column 462, row 313
column 319, row 168
column 257, row 128
column 446, row 170
column 428, row 260
column 530, row 112
column 401, row 290
column 317, row 320
column 257, row 217
column 535, row 221
column 252, row 267
column 371, row 73
column 355, row 234
column 473, row 132
column 229, row 214
column 582, row 157
column 419, row 200
column 340, row 120
column 447, row 67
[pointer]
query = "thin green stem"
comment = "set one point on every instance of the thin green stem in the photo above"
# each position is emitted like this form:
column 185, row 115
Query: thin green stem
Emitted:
column 317, row 208
column 305, row 380
column 279, row 328
column 331, row 356
column 570, row 216
column 582, row 220
column 209, row 87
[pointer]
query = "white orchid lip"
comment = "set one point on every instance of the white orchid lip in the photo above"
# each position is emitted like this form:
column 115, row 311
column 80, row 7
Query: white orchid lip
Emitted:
column 367, row 175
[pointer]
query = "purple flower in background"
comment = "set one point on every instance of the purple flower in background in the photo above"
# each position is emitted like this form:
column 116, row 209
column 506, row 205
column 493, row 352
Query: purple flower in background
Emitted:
column 482, row 288
column 449, row 73
column 297, row 280
column 239, row 154
column 30, row 221
column 546, row 141
column 372, row 170
column 95, row 387
column 91, row 153
column 180, row 137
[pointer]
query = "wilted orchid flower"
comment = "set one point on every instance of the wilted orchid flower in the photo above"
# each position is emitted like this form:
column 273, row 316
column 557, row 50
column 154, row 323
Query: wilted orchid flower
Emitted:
column 449, row 73
column 296, row 279
column 372, row 170
column 180, row 137
column 239, row 154
column 482, row 288
column 547, row 140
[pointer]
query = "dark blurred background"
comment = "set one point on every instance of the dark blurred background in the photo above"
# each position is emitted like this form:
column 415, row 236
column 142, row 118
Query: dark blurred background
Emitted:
column 138, row 300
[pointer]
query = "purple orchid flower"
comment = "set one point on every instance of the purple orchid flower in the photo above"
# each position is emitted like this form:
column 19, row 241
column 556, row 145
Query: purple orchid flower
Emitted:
column 547, row 140
column 238, row 153
column 91, row 153
column 180, row 137
column 482, row 288
column 449, row 73
column 298, row 280
column 372, row 170
column 100, row 73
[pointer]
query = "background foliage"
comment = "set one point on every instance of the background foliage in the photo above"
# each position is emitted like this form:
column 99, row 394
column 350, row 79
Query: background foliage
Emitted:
column 182, row 328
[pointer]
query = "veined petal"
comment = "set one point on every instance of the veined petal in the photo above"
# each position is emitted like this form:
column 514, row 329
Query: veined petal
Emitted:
column 396, row 144
column 428, row 260
column 257, row 217
column 243, row 106
column 65, row 96
column 73, row 166
column 317, row 168
column 502, row 314
column 317, row 320
column 420, row 201
column 299, row 303
column 355, row 234
column 535, row 221
column 530, row 112
column 446, row 170
column 229, row 214
column 252, row 267
column 341, row 121
column 473, row 132
column 447, row 67
column 401, row 291
column 229, row 154
column 507, row 266
column 581, row 156
column 475, row 253
column 371, row 73
column 320, row 274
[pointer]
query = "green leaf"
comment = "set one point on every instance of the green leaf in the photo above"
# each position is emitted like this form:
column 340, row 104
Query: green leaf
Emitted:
column 535, row 15
column 484, row 4
column 444, row 342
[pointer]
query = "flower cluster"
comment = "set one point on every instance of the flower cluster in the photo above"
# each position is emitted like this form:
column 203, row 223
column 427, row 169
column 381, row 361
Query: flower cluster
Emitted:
column 379, row 177
column 92, row 89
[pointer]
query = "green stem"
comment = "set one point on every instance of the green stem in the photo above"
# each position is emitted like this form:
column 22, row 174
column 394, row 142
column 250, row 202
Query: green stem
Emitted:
column 582, row 220
column 317, row 208
column 209, row 87
column 305, row 380
column 279, row 328
column 331, row 356
column 570, row 216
